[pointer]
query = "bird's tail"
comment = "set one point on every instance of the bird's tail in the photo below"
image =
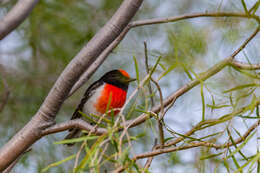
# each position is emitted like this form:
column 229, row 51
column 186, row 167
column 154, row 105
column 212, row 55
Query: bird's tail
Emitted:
column 75, row 132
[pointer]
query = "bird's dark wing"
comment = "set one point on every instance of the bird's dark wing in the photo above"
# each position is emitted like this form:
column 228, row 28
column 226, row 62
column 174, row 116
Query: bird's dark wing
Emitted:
column 89, row 92
column 75, row 132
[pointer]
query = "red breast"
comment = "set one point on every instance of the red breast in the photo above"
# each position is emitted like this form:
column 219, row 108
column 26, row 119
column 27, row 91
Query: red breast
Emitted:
column 111, row 95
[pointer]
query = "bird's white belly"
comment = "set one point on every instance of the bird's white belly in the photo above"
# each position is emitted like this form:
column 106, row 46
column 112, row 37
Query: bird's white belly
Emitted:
column 89, row 107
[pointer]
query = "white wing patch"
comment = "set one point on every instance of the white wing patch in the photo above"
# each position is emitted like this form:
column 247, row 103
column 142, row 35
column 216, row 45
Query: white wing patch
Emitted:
column 89, row 107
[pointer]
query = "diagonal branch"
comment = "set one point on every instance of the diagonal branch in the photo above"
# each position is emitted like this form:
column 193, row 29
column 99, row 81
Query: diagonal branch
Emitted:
column 246, row 42
column 191, row 16
column 16, row 16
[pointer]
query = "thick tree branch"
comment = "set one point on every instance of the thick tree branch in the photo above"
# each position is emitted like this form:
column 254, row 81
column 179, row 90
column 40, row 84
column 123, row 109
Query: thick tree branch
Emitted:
column 16, row 16
column 82, row 61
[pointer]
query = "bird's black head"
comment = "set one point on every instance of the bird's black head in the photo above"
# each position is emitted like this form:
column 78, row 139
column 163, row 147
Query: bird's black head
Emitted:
column 119, row 78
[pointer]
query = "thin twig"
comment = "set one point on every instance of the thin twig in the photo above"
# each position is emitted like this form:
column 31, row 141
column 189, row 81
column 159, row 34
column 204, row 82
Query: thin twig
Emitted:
column 160, row 118
column 190, row 16
column 246, row 42
column 150, row 159
column 103, row 153
column 245, row 66
column 172, row 149
column 242, row 138
column 254, row 6
column 147, row 71
column 77, row 156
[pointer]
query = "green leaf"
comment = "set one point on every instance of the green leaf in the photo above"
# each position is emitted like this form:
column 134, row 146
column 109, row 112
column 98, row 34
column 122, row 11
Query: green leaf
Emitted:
column 74, row 140
column 255, row 7
column 244, row 6
column 241, row 145
column 257, row 111
column 136, row 70
column 217, row 107
column 252, row 161
column 226, row 165
column 214, row 134
column 242, row 87
column 235, row 160
column 85, row 161
column 235, row 145
column 167, row 139
column 172, row 67
column 210, row 156
column 59, row 162
column 203, row 101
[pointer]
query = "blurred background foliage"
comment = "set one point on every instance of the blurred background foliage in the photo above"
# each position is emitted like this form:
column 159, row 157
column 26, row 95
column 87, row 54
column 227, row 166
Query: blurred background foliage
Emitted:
column 35, row 54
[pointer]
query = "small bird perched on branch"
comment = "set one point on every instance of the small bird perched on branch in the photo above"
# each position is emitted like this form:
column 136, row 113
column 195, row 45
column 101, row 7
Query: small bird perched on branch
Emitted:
column 110, row 90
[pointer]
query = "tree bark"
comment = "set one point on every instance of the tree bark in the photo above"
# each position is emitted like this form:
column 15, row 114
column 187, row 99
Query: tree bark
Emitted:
column 16, row 16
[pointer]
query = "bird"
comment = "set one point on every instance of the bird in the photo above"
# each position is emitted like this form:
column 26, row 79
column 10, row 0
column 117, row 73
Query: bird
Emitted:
column 110, row 90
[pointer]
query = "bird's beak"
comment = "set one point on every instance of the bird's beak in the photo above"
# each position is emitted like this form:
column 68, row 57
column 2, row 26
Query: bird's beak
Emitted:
column 131, row 79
